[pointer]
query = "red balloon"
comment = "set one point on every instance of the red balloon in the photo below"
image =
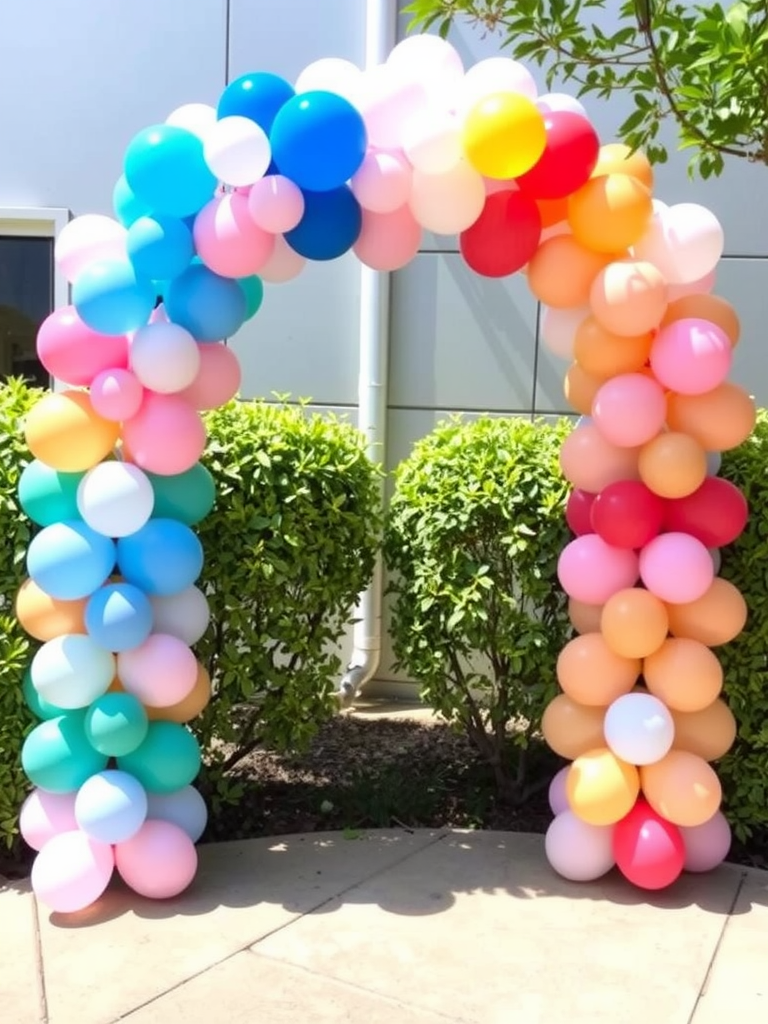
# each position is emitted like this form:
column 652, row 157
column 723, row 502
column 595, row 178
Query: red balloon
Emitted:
column 627, row 514
column 715, row 514
column 505, row 235
column 577, row 511
column 648, row 849
column 568, row 159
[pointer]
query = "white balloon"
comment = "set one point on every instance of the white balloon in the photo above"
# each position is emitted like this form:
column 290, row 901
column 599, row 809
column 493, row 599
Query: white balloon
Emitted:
column 429, row 59
column 497, row 74
column 332, row 74
column 448, row 203
column 184, row 808
column 639, row 728
column 184, row 615
column 165, row 357
column 558, row 329
column 685, row 242
column 386, row 100
column 71, row 671
column 552, row 101
column 578, row 851
column 196, row 118
column 115, row 498
column 237, row 150
column 88, row 239
column 432, row 141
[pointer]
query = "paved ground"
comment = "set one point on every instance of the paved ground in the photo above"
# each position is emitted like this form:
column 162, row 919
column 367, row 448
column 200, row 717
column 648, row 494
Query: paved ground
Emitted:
column 393, row 928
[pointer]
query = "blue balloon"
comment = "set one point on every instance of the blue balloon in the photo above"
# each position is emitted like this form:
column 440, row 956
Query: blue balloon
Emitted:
column 165, row 168
column 118, row 617
column 125, row 204
column 318, row 140
column 111, row 298
column 69, row 560
column 210, row 307
column 159, row 247
column 111, row 806
column 330, row 226
column 164, row 557
column 258, row 96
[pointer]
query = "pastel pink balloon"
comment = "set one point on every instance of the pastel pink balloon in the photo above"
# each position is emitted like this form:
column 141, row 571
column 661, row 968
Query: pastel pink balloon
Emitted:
column 388, row 241
column 389, row 98
column 166, row 436
column 494, row 185
column 227, row 239
column 558, row 798
column 591, row 571
column 71, row 872
column 706, row 845
column 703, row 286
column 383, row 183
column 629, row 410
column 116, row 394
column 75, row 354
column 44, row 815
column 159, row 862
column 218, row 379
column 159, row 315
column 275, row 204
column 691, row 356
column 677, row 568
column 283, row 265
column 159, row 673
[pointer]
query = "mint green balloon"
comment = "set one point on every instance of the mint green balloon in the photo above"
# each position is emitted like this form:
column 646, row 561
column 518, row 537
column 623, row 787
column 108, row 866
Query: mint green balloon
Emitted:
column 187, row 497
column 39, row 707
column 116, row 724
column 168, row 759
column 48, row 496
column 254, row 294
column 57, row 755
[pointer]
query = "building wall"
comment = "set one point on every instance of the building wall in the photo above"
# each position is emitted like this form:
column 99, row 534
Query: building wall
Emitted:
column 79, row 77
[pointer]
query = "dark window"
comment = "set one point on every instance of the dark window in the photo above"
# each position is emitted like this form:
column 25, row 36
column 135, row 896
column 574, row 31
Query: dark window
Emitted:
column 26, row 299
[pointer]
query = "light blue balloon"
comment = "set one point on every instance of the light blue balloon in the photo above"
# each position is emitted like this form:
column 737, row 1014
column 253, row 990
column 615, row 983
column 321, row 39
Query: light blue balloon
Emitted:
column 125, row 204
column 184, row 808
column 159, row 247
column 714, row 462
column 210, row 307
column 69, row 560
column 118, row 617
column 111, row 806
column 111, row 298
column 164, row 557
column 165, row 168
column 583, row 421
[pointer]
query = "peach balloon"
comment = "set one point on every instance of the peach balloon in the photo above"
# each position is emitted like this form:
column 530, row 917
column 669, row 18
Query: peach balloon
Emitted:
column 684, row 673
column 709, row 733
column 65, row 432
column 591, row 463
column 634, row 623
column 705, row 307
column 672, row 465
column 719, row 420
column 44, row 617
column 610, row 212
column 682, row 788
column 715, row 618
column 561, row 272
column 601, row 789
column 616, row 158
column 602, row 354
column 628, row 297
column 590, row 673
column 585, row 618
column 580, row 389
column 193, row 704
column 571, row 729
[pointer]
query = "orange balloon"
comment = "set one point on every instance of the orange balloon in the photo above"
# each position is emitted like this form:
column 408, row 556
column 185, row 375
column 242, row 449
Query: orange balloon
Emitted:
column 585, row 618
column 580, row 389
column 705, row 307
column 672, row 465
column 684, row 674
column 610, row 212
column 605, row 355
column 192, row 705
column 716, row 618
column 116, row 686
column 719, row 420
column 634, row 623
column 561, row 272
column 682, row 788
column 628, row 297
column 601, row 789
column 616, row 158
column 592, row 674
column 709, row 733
column 571, row 729
column 590, row 462
column 44, row 617
column 552, row 211
column 63, row 431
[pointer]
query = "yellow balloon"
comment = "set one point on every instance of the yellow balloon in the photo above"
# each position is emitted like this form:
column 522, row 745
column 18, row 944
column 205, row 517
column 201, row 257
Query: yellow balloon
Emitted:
column 504, row 135
column 64, row 431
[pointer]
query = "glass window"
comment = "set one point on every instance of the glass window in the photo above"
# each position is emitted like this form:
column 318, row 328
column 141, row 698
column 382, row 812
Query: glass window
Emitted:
column 26, row 299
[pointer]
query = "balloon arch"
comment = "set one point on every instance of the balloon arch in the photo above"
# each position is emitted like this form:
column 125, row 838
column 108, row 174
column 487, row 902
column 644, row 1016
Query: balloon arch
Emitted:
column 214, row 202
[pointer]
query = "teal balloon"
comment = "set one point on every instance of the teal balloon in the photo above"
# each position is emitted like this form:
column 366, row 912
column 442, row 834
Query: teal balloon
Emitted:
column 39, row 707
column 57, row 756
column 187, row 497
column 48, row 496
column 116, row 724
column 168, row 759
column 253, row 290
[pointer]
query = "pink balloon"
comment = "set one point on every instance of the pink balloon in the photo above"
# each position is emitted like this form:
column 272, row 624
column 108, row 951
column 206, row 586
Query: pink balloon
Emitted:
column 166, row 436
column 159, row 315
column 629, row 410
column 677, row 568
column 383, row 183
column 159, row 862
column 160, row 673
column 72, row 352
column 493, row 185
column 691, row 356
column 703, row 286
column 388, row 241
column 227, row 239
column 116, row 394
column 72, row 871
column 706, row 845
column 558, row 798
column 218, row 379
column 283, row 265
column 591, row 571
column 45, row 815
column 389, row 98
column 275, row 204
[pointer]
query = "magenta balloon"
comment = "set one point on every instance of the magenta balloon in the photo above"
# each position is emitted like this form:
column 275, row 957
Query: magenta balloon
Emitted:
column 591, row 571
column 159, row 862
column 677, row 568
column 629, row 410
column 691, row 356
column 706, row 845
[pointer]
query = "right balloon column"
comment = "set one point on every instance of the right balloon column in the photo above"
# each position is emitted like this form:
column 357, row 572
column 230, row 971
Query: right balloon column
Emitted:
column 640, row 716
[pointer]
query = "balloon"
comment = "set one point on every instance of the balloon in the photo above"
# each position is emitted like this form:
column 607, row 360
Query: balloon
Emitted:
column 45, row 815
column 168, row 759
column 164, row 357
column 71, row 671
column 160, row 673
column 714, row 463
column 46, row 495
column 685, row 242
column 568, row 159
column 165, row 168
column 43, row 617
column 388, row 241
column 284, row 264
column 333, row 74
column 330, row 226
column 617, row 158
column 210, row 307
column 558, row 798
column 159, row 248
column 72, row 872
column 57, row 757
column 388, row 97
column 578, row 851
column 628, row 298
column 648, row 849
column 610, row 213
column 591, row 674
column 559, row 329
column 706, row 845
column 166, row 436
column 716, row 513
column 627, row 515
column 720, row 420
column 188, row 497
column 553, row 101
column 580, row 389
column 682, row 788
column 40, row 708
column 383, row 182
column 184, row 808
column 116, row 394
column 676, row 567
column 197, row 118
column 672, row 464
column 118, row 617
column 275, row 204
column 589, row 462
column 634, row 623
column 639, row 728
column 585, row 618
column 709, row 733
column 553, row 211
column 159, row 862
column 448, row 203
column 562, row 272
column 88, row 239
column 228, row 240
column 253, row 289
column 111, row 807
column 711, row 308
column 69, row 560
column 601, row 788
column 684, row 673
column 184, row 614
column 432, row 140
column 691, row 356
column 116, row 724
column 715, row 618
column 504, row 237
column 237, row 150
column 629, row 410
column 115, row 498
column 605, row 355
column 63, row 431
column 504, row 135
column 111, row 298
column 428, row 58
column 162, row 558
column 577, row 512
column 195, row 702
column 258, row 96
column 127, row 207
column 571, row 729
column 73, row 352
column 218, row 379
column 704, row 284
column 591, row 570
column 492, row 76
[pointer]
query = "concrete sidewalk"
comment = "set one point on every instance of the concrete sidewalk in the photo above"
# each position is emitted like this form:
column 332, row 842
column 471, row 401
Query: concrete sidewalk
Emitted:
column 392, row 928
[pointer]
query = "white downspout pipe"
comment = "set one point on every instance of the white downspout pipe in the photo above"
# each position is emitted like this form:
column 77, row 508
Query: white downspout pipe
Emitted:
column 380, row 38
